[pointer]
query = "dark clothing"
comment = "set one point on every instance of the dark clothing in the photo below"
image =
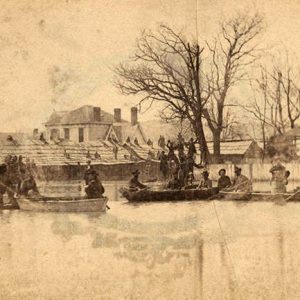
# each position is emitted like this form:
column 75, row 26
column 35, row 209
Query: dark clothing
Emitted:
column 115, row 151
column 224, row 182
column 180, row 147
column 190, row 164
column 27, row 185
column 174, row 184
column 134, row 184
column 89, row 174
column 163, row 166
column 94, row 189
column 191, row 149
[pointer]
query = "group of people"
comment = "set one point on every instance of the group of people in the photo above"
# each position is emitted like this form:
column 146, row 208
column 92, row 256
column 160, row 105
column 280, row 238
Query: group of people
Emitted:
column 17, row 177
column 179, row 169
column 239, row 183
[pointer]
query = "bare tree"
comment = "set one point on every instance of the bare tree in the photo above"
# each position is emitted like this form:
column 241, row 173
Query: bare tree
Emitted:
column 276, row 104
column 231, row 52
column 167, row 69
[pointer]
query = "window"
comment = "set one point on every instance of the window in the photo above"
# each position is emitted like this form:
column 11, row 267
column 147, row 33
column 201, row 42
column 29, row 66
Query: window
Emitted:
column 67, row 133
column 54, row 134
column 81, row 135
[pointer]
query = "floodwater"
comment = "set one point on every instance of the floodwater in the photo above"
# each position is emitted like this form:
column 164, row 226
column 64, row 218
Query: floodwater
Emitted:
column 187, row 250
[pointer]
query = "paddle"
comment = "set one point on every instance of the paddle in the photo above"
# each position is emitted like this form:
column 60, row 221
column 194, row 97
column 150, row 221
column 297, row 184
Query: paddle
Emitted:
column 293, row 195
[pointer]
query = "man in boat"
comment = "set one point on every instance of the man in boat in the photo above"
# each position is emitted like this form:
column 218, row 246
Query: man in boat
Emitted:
column 13, row 179
column 171, row 153
column 27, row 184
column 191, row 148
column 190, row 164
column 172, row 168
column 174, row 183
column 240, row 183
column 87, row 171
column 94, row 188
column 206, row 182
column 278, row 180
column 163, row 165
column 224, row 180
column 28, row 187
column 134, row 183
column 3, row 182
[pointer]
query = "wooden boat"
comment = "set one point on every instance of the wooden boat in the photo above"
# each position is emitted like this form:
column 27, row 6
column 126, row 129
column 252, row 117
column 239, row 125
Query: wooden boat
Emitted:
column 62, row 204
column 8, row 206
column 167, row 195
column 258, row 196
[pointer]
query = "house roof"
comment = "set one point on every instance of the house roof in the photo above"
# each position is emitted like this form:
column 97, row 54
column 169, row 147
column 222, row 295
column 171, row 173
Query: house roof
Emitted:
column 54, row 154
column 81, row 115
column 233, row 147
column 133, row 131
column 18, row 137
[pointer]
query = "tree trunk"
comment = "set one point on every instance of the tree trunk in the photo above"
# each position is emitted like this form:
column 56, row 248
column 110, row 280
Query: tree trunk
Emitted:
column 198, row 128
column 217, row 145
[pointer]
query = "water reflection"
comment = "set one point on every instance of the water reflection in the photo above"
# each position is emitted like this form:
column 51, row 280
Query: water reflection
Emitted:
column 152, row 251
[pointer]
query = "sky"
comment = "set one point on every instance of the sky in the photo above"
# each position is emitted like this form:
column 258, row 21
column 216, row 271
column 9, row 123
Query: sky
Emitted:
column 59, row 55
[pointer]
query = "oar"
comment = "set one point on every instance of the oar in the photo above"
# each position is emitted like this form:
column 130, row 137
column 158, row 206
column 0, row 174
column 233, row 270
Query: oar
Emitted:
column 107, row 206
column 292, row 196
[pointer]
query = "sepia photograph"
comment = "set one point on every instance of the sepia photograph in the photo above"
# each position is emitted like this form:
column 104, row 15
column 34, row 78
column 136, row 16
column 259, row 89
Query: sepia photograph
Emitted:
column 149, row 150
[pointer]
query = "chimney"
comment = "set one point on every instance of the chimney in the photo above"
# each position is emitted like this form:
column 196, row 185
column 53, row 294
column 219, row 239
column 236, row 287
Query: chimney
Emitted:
column 97, row 114
column 117, row 115
column 134, row 116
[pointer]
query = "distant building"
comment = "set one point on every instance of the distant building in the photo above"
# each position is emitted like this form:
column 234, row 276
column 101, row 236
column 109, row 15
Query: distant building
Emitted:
column 294, row 135
column 89, row 123
column 239, row 151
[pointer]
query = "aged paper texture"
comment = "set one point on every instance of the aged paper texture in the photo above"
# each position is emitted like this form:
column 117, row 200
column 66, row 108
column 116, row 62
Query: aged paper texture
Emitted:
column 149, row 149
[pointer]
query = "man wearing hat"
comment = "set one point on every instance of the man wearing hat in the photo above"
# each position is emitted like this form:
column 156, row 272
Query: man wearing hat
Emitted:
column 205, row 182
column 240, row 183
column 94, row 187
column 224, row 180
column 134, row 183
column 279, row 178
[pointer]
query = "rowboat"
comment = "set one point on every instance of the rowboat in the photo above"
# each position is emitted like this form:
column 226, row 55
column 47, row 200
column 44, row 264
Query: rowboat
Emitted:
column 258, row 196
column 62, row 204
column 8, row 207
column 167, row 195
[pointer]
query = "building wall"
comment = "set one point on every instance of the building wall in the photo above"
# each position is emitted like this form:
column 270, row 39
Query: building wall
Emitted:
column 93, row 132
column 73, row 129
column 96, row 132
column 116, row 171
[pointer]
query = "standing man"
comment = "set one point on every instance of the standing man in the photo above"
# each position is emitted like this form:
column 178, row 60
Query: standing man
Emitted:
column 115, row 151
column 191, row 148
column 163, row 166
column 3, row 182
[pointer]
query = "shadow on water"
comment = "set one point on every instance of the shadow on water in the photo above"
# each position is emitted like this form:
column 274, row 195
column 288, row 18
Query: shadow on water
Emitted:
column 175, row 245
